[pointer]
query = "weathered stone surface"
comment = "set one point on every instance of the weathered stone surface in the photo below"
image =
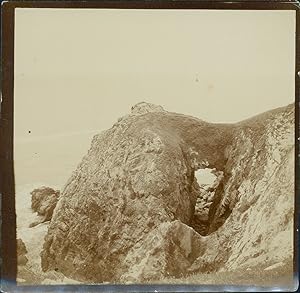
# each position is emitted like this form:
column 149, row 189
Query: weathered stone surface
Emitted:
column 124, row 214
column 168, row 250
column 43, row 201
column 136, row 175
column 253, row 217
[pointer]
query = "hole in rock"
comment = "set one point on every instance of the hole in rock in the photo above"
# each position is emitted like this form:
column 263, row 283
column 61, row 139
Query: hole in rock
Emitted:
column 208, row 181
column 205, row 178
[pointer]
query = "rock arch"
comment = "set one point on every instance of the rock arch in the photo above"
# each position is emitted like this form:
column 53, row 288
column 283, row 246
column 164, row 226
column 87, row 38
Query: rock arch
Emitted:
column 123, row 224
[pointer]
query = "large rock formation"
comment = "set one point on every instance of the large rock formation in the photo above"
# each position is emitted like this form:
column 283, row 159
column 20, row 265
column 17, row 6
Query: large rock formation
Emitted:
column 127, row 213
column 252, row 216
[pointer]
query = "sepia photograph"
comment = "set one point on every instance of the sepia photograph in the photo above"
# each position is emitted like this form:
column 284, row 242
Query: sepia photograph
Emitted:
column 155, row 146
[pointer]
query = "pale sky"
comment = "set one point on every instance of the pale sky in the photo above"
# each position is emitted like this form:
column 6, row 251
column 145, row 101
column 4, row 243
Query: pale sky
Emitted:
column 81, row 69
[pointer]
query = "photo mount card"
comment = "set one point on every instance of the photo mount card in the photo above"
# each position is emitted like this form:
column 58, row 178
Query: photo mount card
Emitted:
column 149, row 146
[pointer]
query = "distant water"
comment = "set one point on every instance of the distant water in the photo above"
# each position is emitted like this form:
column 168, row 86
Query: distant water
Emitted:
column 49, row 159
column 43, row 161
column 33, row 239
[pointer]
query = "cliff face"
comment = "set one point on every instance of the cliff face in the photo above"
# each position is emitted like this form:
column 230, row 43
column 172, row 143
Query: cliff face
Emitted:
column 251, row 222
column 128, row 211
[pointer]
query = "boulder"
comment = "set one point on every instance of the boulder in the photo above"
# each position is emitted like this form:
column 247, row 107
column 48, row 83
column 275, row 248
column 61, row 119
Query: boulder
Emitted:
column 43, row 201
column 167, row 251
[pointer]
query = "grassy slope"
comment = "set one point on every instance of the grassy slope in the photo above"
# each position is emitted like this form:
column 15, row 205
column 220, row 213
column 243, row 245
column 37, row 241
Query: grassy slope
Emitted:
column 277, row 277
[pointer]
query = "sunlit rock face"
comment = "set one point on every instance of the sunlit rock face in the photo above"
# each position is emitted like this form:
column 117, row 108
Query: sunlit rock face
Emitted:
column 129, row 211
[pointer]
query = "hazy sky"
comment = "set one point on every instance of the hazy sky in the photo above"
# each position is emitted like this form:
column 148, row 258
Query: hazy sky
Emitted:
column 79, row 70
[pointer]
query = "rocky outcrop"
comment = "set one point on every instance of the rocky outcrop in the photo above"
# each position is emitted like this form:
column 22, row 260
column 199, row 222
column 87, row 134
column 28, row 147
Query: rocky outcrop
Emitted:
column 143, row 108
column 43, row 201
column 21, row 253
column 253, row 212
column 136, row 175
column 127, row 213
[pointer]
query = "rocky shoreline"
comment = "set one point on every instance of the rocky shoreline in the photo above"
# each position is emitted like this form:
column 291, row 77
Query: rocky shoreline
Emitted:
column 134, row 210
